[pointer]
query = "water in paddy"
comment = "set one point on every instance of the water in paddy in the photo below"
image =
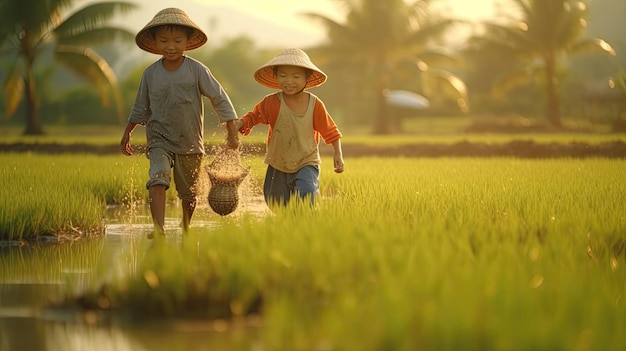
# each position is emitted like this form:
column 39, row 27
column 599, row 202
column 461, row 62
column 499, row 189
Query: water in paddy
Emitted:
column 33, row 278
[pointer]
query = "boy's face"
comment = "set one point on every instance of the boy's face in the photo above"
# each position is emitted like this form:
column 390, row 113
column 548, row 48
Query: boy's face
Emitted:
column 291, row 79
column 171, row 42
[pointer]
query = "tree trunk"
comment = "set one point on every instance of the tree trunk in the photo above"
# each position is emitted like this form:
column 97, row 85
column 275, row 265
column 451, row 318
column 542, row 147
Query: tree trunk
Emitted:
column 382, row 123
column 33, row 125
column 553, row 103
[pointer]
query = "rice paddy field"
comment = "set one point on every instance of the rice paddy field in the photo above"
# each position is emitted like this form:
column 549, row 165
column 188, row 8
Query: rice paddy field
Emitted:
column 400, row 253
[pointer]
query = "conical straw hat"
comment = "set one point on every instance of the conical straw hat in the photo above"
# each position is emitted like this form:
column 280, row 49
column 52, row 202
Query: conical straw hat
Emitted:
column 171, row 16
column 289, row 57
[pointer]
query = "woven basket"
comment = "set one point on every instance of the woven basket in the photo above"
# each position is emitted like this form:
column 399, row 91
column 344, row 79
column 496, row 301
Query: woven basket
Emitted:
column 224, row 195
column 223, row 199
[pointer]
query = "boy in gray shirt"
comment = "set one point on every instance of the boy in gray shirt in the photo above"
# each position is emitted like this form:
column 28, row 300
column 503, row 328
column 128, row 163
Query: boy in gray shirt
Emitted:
column 169, row 104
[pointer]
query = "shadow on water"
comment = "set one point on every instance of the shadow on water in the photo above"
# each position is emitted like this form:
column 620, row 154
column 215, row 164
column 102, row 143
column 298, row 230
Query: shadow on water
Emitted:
column 33, row 278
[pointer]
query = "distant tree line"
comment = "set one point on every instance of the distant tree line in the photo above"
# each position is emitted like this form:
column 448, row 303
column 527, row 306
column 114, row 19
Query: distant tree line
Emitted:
column 522, row 63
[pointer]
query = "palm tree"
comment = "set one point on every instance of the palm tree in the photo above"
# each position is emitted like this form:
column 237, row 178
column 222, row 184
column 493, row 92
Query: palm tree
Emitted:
column 28, row 28
column 377, row 38
column 544, row 34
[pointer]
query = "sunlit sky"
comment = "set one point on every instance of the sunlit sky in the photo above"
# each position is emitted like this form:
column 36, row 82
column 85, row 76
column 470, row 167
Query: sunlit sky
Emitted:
column 287, row 12
column 279, row 13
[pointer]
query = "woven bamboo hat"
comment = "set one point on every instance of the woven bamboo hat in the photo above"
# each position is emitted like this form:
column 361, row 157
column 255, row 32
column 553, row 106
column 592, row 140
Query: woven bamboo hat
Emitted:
column 289, row 57
column 170, row 16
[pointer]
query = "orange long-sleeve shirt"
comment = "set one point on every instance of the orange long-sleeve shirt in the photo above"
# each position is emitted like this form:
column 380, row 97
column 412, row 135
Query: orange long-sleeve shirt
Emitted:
column 266, row 112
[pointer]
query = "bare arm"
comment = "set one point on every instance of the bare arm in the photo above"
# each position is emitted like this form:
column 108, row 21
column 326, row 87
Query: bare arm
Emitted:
column 232, row 138
column 338, row 156
column 127, row 149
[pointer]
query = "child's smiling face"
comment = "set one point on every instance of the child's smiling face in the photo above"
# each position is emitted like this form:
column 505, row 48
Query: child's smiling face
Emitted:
column 171, row 41
column 291, row 79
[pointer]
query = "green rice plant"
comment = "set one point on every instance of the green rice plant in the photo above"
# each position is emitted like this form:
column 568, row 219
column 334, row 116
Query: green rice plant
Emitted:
column 406, row 254
column 54, row 195
column 398, row 254
column 68, row 194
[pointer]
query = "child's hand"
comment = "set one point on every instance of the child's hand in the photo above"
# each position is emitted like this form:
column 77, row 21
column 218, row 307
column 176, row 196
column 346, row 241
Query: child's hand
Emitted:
column 338, row 164
column 232, row 138
column 127, row 149
column 237, row 124
column 232, row 141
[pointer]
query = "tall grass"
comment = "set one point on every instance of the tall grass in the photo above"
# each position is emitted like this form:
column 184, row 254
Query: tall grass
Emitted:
column 406, row 254
column 401, row 254
column 69, row 194
column 50, row 195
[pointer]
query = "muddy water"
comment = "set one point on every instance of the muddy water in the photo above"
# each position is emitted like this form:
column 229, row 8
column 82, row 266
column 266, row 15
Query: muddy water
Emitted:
column 28, row 323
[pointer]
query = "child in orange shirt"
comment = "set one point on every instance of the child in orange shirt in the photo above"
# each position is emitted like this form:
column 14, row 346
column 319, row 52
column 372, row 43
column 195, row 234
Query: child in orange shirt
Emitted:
column 297, row 119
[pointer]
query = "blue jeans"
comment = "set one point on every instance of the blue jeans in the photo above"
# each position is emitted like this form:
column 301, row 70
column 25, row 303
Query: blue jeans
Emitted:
column 279, row 186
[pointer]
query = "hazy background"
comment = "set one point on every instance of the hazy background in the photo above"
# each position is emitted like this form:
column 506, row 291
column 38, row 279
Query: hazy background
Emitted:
column 271, row 23
column 245, row 34
column 275, row 22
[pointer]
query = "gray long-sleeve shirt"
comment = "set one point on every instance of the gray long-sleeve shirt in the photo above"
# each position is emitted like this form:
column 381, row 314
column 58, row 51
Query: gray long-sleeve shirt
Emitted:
column 169, row 104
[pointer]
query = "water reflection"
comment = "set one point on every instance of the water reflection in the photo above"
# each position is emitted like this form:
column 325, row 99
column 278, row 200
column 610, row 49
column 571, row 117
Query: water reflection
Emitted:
column 33, row 278
column 37, row 334
column 28, row 322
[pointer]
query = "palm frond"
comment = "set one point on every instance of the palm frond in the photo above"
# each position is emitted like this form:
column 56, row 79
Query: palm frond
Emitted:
column 97, row 36
column 91, row 17
column 456, row 84
column 327, row 22
column 437, row 58
column 419, row 10
column 512, row 37
column 524, row 8
column 430, row 32
column 88, row 64
column 512, row 80
column 592, row 45
column 13, row 88
column 445, row 83
column 571, row 23
column 37, row 18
